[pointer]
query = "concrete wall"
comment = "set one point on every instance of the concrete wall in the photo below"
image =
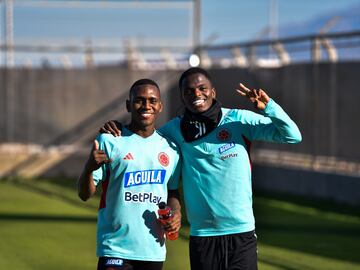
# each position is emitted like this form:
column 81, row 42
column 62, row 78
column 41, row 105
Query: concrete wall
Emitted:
column 321, row 98
column 53, row 107
column 338, row 188
column 58, row 106
column 49, row 106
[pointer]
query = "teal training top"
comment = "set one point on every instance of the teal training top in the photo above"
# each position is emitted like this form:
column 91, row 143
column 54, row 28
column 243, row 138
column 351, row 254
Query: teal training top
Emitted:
column 216, row 169
column 132, row 185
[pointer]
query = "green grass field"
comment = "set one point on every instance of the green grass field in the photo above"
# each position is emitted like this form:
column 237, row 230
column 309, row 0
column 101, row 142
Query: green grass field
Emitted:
column 43, row 225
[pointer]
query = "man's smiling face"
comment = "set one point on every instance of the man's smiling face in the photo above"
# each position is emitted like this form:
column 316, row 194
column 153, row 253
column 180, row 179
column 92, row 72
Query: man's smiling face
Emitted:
column 197, row 93
column 144, row 105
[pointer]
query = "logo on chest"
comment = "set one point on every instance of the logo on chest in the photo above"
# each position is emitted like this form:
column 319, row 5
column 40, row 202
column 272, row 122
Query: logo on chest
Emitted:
column 223, row 135
column 147, row 177
column 163, row 159
column 226, row 147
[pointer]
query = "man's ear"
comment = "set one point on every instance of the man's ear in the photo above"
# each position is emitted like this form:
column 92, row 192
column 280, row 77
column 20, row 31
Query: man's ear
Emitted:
column 213, row 92
column 161, row 107
column 128, row 105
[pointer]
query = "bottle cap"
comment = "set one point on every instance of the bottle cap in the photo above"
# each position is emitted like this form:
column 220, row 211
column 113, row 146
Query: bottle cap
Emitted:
column 162, row 205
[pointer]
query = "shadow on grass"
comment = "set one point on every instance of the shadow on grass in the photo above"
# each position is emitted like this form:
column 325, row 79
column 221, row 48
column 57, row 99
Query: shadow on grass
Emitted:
column 46, row 218
column 284, row 265
column 319, row 204
column 69, row 185
column 66, row 184
column 309, row 229
column 317, row 228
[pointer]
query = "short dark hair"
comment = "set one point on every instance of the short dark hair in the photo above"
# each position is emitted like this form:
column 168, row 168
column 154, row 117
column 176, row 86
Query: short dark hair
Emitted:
column 143, row 82
column 191, row 71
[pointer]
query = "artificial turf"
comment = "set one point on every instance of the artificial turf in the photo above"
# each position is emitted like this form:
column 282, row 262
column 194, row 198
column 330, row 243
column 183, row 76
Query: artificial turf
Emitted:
column 43, row 225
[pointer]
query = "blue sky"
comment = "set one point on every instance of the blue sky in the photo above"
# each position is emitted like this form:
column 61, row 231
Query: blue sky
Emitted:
column 227, row 21
column 230, row 20
column 240, row 20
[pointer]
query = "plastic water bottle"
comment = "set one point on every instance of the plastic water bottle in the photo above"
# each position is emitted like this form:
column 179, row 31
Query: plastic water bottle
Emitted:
column 165, row 214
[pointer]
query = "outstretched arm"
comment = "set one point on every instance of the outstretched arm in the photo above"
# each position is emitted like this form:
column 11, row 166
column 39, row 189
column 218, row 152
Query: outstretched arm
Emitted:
column 86, row 186
column 276, row 126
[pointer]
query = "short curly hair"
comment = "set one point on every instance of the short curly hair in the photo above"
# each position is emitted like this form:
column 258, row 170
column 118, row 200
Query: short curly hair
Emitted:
column 191, row 71
column 143, row 82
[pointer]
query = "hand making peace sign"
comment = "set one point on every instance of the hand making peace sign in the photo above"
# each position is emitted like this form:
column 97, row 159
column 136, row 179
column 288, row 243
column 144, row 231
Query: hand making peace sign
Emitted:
column 258, row 97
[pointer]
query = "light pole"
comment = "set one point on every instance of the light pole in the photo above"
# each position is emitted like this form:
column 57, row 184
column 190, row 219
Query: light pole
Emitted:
column 9, row 33
column 196, row 23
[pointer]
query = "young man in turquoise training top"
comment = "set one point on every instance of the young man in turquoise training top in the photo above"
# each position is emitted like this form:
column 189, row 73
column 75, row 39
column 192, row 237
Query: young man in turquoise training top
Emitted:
column 216, row 169
column 135, row 171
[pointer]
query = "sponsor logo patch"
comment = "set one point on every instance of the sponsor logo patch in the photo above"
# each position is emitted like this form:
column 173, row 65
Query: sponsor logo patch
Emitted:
column 116, row 262
column 224, row 135
column 226, row 147
column 142, row 197
column 147, row 177
column 231, row 155
column 163, row 159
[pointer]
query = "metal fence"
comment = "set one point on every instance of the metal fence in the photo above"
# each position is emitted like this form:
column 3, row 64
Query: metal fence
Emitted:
column 55, row 106
column 332, row 47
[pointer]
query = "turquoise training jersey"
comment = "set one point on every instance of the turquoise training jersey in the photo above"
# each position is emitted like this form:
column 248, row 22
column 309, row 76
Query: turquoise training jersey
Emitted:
column 216, row 169
column 132, row 186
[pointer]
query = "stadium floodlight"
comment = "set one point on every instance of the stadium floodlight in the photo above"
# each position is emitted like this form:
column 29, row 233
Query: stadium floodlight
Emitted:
column 194, row 60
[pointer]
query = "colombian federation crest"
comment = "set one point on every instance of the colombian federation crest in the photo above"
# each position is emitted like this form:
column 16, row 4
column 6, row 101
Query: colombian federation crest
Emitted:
column 224, row 135
column 163, row 159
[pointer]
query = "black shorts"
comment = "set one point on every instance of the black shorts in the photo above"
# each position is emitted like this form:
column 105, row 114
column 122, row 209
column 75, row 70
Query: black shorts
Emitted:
column 113, row 263
column 225, row 252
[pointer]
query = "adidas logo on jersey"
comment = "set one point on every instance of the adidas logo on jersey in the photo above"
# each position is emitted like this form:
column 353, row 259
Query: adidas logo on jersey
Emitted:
column 128, row 156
